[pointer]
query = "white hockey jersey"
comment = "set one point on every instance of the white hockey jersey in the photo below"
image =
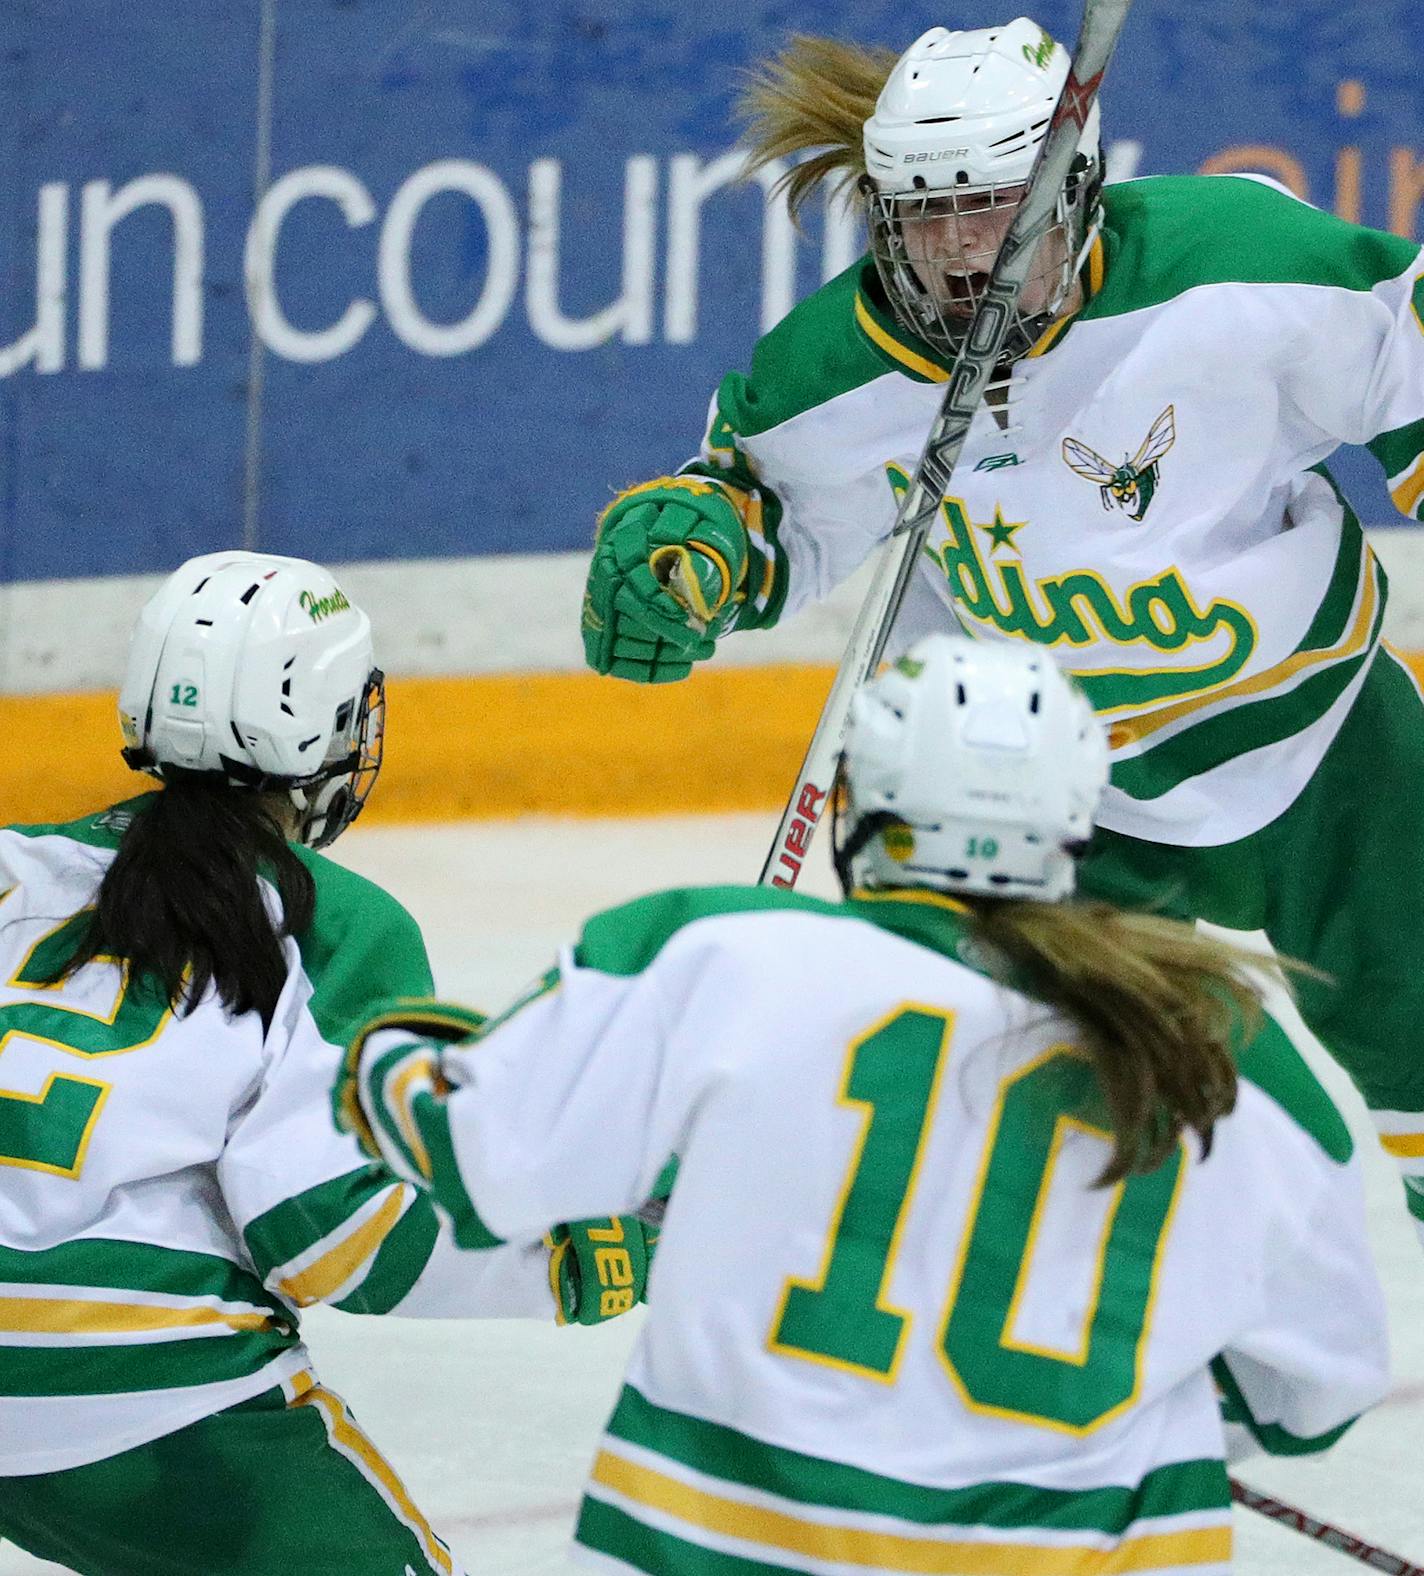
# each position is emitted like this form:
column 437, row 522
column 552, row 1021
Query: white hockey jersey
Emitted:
column 892, row 1326
column 174, row 1189
column 1150, row 503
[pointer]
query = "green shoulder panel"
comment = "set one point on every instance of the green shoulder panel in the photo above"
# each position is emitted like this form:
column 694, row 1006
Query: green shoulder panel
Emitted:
column 1279, row 1071
column 361, row 949
column 626, row 939
column 101, row 829
column 812, row 355
column 1170, row 233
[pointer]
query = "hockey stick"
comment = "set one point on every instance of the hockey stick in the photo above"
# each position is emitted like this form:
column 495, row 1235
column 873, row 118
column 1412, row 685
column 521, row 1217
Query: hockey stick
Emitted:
column 1102, row 23
column 1322, row 1532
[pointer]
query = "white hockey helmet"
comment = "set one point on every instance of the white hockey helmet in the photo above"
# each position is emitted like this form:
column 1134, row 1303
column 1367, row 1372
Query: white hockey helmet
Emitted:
column 258, row 668
column 971, row 768
column 961, row 117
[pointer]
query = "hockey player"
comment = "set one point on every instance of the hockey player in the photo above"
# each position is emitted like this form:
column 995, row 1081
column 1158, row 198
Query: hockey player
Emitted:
column 1142, row 494
column 177, row 977
column 978, row 1187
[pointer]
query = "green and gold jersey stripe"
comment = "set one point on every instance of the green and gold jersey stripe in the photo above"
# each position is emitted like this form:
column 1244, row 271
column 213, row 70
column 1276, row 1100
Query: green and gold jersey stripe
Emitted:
column 87, row 1317
column 394, row 1242
column 101, row 1262
column 341, row 1261
column 908, row 359
column 1361, row 586
column 1267, row 719
column 153, row 1347
column 1408, row 491
column 97, row 1369
column 347, row 1437
column 611, row 1530
column 913, row 356
column 803, row 1541
column 737, row 1458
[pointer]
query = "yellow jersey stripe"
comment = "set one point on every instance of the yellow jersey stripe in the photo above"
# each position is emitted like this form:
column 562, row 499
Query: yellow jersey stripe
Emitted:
column 352, row 1443
column 892, row 347
column 885, row 1551
column 1097, row 266
column 1410, row 488
column 1055, row 331
column 1405, row 1146
column 422, row 1064
column 1048, row 338
column 1354, row 640
column 81, row 1316
column 338, row 1264
column 911, row 895
column 298, row 1385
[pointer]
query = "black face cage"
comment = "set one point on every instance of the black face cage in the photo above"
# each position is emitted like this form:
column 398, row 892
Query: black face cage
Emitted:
column 942, row 324
column 329, row 799
column 337, row 794
column 847, row 837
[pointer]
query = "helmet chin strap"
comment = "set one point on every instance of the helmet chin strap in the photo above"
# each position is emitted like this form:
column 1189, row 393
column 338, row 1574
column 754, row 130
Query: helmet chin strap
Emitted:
column 324, row 814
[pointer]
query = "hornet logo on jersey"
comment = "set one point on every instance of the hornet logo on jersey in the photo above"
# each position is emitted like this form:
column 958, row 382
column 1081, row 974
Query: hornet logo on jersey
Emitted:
column 1132, row 485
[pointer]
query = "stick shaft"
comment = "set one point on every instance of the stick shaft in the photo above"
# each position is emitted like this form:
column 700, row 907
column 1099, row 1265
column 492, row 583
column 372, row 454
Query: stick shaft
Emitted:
column 1102, row 23
column 1322, row 1531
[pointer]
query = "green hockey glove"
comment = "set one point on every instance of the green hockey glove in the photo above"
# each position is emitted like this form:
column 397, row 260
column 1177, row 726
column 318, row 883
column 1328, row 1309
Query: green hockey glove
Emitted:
column 599, row 1268
column 668, row 576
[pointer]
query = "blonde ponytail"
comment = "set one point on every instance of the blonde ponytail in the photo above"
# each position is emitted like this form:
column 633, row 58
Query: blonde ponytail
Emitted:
column 817, row 95
column 1162, row 1011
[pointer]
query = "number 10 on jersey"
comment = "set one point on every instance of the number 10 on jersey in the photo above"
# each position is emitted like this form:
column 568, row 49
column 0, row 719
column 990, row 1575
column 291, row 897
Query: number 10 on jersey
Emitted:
column 844, row 1317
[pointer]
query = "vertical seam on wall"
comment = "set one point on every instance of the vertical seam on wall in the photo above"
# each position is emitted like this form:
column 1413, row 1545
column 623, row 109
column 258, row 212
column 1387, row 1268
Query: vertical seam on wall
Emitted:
column 261, row 179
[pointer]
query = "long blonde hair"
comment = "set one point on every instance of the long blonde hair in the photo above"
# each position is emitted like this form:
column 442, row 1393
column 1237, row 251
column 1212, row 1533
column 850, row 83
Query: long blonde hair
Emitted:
column 1162, row 1010
column 817, row 95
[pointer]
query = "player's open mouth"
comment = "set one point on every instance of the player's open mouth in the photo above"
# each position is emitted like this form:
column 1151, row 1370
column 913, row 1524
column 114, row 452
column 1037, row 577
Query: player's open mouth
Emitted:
column 961, row 293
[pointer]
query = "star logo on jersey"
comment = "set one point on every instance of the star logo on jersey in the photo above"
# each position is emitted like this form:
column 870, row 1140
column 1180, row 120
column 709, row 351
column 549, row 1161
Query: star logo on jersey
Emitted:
column 1001, row 531
column 1132, row 485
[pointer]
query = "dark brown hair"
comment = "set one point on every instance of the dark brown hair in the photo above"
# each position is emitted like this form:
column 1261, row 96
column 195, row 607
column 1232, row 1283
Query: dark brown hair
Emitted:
column 182, row 903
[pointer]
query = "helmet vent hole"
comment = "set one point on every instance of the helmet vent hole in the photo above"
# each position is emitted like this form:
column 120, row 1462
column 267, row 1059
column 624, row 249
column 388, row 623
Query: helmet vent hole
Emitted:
column 237, row 735
column 201, row 584
column 288, row 663
column 959, row 695
column 286, row 708
column 286, row 686
column 206, row 622
column 1033, row 704
column 251, row 592
column 306, row 744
